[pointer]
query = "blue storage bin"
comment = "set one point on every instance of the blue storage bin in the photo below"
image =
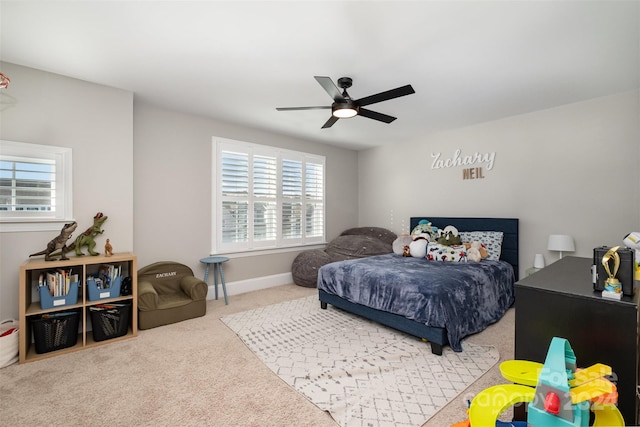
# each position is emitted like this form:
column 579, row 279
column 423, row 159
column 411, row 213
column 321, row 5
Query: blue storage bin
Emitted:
column 96, row 294
column 47, row 301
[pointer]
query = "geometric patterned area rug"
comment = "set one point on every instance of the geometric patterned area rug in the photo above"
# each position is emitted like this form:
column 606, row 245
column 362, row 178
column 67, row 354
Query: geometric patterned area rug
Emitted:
column 362, row 373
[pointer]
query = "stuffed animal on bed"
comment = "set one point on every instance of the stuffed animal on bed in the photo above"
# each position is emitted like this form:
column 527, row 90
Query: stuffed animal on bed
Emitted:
column 425, row 227
column 475, row 251
column 406, row 251
column 400, row 243
column 449, row 236
column 418, row 247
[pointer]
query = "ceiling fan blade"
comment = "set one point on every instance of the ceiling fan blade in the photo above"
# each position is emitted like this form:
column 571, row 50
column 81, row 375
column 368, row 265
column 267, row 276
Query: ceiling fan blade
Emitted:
column 375, row 115
column 303, row 108
column 385, row 96
column 330, row 122
column 331, row 88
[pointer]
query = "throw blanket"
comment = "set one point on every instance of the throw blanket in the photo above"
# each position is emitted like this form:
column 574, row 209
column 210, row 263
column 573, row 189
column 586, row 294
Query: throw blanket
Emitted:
column 463, row 297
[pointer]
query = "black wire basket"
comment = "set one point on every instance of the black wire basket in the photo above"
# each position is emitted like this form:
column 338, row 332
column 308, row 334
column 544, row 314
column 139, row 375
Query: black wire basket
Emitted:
column 110, row 320
column 55, row 331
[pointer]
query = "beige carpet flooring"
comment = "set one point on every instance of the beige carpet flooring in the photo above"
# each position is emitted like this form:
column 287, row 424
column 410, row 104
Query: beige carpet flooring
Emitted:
column 193, row 373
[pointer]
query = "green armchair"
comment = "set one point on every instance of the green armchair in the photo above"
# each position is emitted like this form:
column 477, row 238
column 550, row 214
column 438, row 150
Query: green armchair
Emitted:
column 168, row 292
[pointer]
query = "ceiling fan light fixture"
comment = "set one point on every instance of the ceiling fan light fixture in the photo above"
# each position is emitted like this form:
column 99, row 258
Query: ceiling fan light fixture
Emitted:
column 344, row 107
column 344, row 110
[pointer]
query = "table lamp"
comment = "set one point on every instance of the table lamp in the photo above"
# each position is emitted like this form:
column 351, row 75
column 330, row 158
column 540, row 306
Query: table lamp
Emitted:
column 561, row 243
column 538, row 261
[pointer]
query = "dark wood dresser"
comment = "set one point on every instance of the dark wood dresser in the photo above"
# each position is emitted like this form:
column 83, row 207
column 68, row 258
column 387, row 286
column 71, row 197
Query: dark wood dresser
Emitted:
column 559, row 300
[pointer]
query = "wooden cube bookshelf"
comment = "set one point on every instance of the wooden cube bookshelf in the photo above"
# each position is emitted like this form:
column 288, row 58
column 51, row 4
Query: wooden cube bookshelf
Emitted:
column 30, row 307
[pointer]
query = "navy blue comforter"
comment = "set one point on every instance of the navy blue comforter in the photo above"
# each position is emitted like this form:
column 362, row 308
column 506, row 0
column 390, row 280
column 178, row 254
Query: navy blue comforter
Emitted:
column 463, row 297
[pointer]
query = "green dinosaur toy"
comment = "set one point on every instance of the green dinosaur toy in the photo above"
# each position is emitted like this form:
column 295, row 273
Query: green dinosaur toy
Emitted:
column 449, row 239
column 58, row 243
column 88, row 236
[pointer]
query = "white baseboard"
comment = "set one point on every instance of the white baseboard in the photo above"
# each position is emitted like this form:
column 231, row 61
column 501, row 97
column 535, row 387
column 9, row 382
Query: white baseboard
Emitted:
column 242, row 286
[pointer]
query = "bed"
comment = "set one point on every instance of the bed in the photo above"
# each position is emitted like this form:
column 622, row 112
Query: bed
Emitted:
column 410, row 295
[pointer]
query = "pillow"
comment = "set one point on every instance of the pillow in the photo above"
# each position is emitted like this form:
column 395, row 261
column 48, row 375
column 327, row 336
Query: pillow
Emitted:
column 492, row 241
column 438, row 252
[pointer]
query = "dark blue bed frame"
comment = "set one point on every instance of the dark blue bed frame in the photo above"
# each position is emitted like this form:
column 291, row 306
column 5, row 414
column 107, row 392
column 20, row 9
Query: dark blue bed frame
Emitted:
column 437, row 337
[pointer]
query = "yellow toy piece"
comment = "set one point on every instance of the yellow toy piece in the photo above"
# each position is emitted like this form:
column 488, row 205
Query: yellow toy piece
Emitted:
column 522, row 372
column 606, row 416
column 590, row 390
column 487, row 406
column 583, row 376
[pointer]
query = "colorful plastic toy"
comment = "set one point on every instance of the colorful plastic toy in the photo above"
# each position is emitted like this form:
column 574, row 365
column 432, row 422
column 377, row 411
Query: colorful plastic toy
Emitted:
column 558, row 394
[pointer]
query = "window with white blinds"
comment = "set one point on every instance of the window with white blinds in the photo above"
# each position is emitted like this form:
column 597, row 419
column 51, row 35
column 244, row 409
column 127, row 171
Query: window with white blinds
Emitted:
column 265, row 197
column 35, row 184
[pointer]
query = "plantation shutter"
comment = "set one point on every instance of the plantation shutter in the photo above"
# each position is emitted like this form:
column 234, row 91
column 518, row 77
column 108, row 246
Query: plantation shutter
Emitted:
column 291, row 199
column 36, row 187
column 235, row 197
column 265, row 191
column 28, row 185
column 266, row 197
column 314, row 200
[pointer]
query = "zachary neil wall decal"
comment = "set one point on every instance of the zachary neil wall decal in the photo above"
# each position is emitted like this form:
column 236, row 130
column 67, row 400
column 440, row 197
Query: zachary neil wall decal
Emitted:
column 465, row 160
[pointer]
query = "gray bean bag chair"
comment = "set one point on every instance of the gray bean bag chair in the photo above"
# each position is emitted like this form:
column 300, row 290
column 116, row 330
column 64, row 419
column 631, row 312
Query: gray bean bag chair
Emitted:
column 306, row 265
column 355, row 246
column 352, row 243
column 379, row 233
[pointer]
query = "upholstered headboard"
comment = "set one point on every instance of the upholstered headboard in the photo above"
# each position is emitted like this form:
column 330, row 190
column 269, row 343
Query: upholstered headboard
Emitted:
column 509, row 226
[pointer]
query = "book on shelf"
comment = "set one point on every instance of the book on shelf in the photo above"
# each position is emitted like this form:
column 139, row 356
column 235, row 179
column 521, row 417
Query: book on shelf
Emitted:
column 106, row 275
column 58, row 281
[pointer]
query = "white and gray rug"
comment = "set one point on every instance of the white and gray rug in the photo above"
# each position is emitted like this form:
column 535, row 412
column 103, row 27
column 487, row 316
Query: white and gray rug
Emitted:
column 362, row 373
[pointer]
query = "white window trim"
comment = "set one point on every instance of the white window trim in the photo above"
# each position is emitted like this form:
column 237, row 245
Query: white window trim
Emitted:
column 258, row 252
column 281, row 244
column 64, row 185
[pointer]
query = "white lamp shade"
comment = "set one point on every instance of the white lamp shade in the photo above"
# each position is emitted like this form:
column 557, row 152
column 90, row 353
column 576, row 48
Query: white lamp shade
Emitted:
column 561, row 242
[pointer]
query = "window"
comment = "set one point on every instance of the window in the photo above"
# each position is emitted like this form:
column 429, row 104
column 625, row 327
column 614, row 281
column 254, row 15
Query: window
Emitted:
column 35, row 186
column 265, row 197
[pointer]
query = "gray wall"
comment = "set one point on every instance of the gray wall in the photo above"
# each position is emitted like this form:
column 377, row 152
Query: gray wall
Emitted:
column 567, row 170
column 149, row 170
column 172, row 180
column 96, row 123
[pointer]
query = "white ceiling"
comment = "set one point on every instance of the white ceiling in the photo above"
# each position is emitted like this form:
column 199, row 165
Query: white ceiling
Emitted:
column 468, row 61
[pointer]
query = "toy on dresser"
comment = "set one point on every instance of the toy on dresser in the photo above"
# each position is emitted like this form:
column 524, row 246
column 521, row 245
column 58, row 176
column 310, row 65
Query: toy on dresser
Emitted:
column 632, row 241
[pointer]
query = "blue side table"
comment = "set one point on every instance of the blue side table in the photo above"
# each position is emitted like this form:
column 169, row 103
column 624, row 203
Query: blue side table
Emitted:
column 216, row 261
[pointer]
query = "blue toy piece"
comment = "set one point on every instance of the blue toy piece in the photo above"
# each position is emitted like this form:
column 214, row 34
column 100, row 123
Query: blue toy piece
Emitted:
column 552, row 404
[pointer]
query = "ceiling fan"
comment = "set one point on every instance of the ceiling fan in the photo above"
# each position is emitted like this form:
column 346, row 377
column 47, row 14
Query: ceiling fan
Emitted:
column 344, row 106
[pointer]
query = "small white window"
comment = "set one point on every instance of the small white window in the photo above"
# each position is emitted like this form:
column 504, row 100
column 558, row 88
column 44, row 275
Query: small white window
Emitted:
column 265, row 197
column 35, row 186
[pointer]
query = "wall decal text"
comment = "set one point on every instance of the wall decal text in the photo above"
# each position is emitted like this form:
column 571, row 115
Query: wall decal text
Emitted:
column 472, row 173
column 465, row 160
column 459, row 160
